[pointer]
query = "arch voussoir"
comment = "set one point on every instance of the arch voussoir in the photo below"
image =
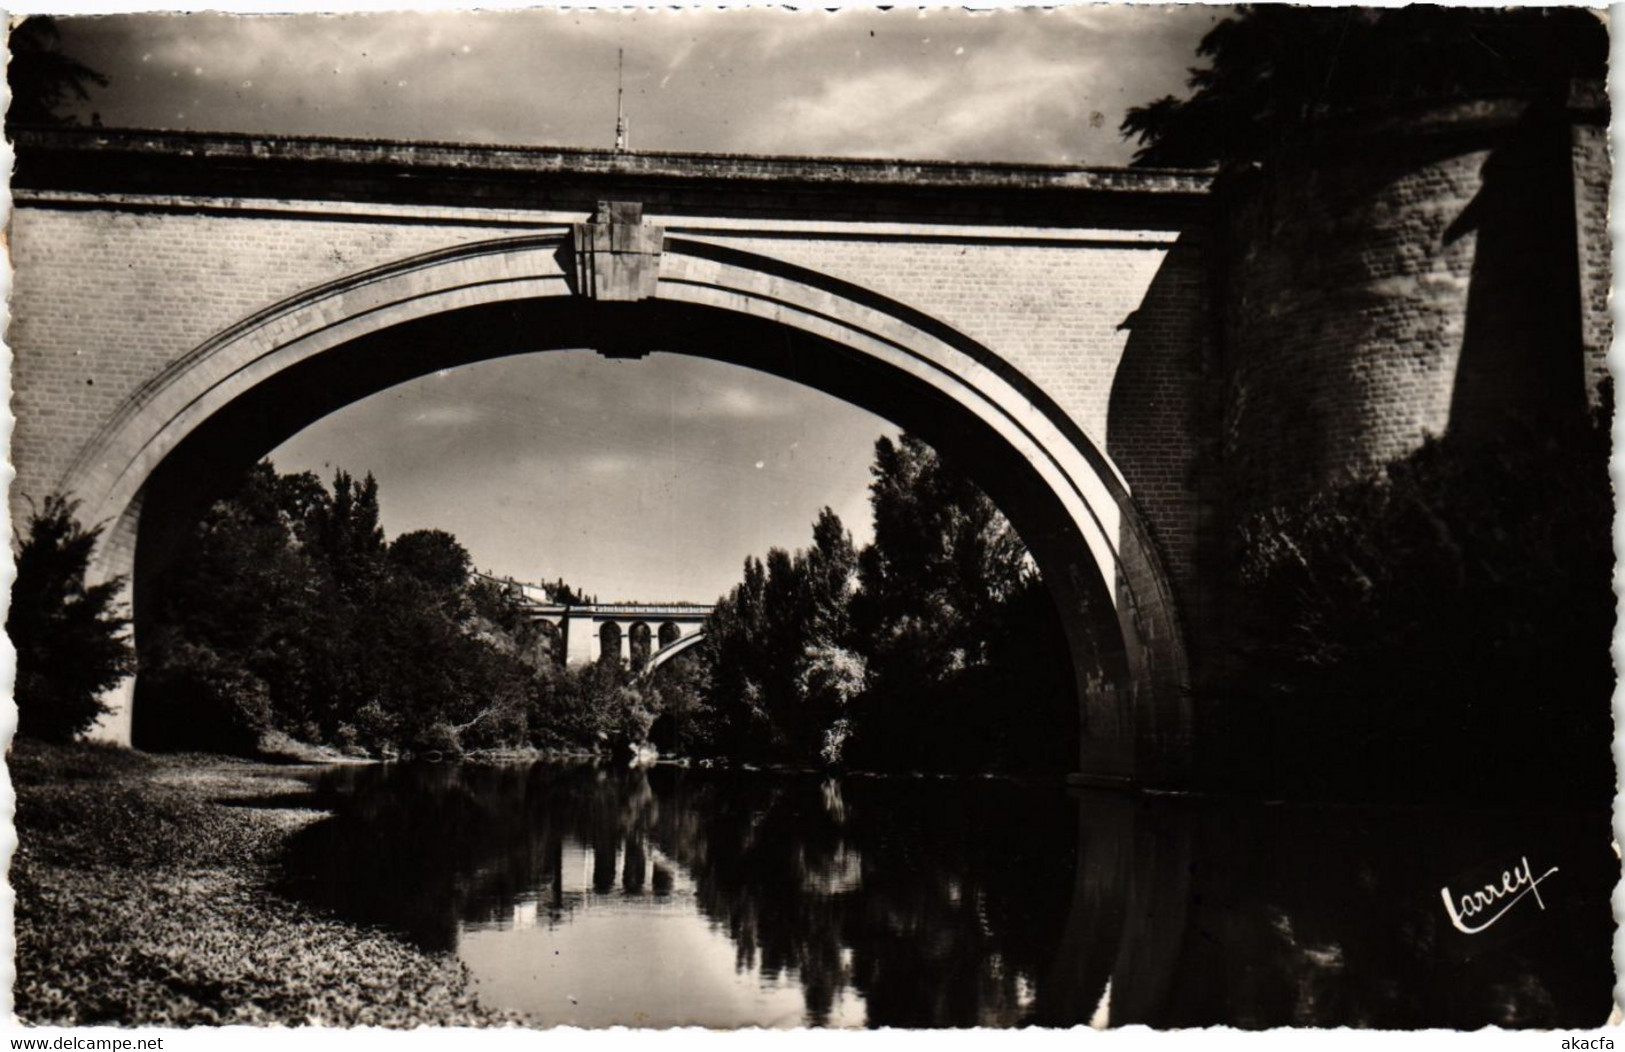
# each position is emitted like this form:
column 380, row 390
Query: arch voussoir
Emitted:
column 1092, row 503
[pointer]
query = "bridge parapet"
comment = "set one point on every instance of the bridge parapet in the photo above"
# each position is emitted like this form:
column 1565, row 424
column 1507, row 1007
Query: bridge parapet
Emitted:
column 623, row 610
column 526, row 185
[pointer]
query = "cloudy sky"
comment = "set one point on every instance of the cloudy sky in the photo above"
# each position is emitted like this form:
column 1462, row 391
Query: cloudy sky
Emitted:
column 1022, row 85
column 704, row 463
column 648, row 479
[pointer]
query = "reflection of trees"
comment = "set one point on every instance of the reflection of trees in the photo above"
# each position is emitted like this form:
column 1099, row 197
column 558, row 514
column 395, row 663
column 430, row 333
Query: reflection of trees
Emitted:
column 422, row 848
column 936, row 901
column 955, row 903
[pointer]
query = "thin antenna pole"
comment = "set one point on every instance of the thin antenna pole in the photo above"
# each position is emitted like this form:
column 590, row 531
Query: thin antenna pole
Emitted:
column 620, row 100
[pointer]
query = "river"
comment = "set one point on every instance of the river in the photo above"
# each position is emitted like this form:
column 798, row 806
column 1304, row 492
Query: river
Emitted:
column 596, row 895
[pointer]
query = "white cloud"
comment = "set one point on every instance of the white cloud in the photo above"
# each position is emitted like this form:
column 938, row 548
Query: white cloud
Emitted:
column 604, row 464
column 447, row 416
column 732, row 402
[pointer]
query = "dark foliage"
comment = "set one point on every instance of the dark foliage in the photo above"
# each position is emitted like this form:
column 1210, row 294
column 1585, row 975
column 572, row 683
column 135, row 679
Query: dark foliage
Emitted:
column 41, row 77
column 1276, row 70
column 563, row 593
column 70, row 639
column 602, row 706
column 935, row 648
column 681, row 692
column 290, row 613
column 1441, row 628
column 433, row 558
column 967, row 665
column 781, row 671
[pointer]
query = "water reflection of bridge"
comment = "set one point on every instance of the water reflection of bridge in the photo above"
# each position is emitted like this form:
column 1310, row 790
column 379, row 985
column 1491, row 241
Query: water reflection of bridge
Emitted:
column 646, row 635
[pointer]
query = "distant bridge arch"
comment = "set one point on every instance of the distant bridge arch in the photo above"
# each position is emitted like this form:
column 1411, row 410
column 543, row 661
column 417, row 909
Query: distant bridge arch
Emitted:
column 669, row 651
column 639, row 642
column 586, row 632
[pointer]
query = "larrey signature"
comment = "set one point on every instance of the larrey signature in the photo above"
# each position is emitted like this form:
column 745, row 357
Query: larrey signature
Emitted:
column 1514, row 886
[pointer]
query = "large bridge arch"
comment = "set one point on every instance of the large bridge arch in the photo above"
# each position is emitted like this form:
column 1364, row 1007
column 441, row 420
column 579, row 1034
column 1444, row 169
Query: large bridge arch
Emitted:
column 161, row 458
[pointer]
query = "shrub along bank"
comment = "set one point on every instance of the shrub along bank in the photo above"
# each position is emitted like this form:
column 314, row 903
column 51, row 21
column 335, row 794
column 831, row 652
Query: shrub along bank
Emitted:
column 144, row 897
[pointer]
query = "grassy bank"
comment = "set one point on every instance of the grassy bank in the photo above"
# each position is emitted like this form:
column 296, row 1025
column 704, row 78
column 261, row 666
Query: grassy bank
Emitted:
column 143, row 897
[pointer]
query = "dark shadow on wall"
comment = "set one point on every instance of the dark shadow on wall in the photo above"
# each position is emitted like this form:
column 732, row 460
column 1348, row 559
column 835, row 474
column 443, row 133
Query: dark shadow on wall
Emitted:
column 1522, row 355
column 1325, row 290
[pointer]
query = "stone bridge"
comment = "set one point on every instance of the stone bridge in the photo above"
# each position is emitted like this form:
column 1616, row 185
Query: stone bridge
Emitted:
column 645, row 635
column 1118, row 361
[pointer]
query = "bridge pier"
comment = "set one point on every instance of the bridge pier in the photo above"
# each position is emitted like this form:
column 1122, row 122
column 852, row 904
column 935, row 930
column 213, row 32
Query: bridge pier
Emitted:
column 580, row 640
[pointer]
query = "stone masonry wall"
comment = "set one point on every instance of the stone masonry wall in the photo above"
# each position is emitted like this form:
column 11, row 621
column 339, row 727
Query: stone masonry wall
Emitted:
column 104, row 298
column 1344, row 318
column 1593, row 178
column 1375, row 293
column 1111, row 333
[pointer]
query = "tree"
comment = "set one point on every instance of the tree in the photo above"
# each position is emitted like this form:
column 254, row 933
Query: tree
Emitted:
column 964, row 660
column 70, row 640
column 1276, row 70
column 943, row 561
column 290, row 613
column 345, row 536
column 563, row 593
column 831, row 568
column 431, row 557
column 914, row 667
column 735, row 637
column 41, row 77
column 1442, row 621
column 829, row 674
column 682, row 693
column 245, row 613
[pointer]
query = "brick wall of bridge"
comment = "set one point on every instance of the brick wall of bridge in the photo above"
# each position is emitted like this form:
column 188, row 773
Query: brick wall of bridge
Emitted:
column 1593, row 179
column 163, row 283
column 1112, row 331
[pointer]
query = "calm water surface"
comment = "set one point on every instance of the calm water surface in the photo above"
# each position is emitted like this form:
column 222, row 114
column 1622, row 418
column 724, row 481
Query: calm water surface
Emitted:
column 595, row 896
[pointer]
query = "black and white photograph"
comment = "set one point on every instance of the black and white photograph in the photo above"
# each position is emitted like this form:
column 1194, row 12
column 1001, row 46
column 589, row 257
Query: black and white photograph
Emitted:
column 1095, row 516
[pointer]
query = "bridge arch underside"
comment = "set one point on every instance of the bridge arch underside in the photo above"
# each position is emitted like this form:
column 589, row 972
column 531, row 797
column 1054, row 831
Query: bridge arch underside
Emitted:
column 675, row 648
column 180, row 442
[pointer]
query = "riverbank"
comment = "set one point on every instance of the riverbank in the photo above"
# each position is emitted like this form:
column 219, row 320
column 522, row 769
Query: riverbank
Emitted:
column 144, row 897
